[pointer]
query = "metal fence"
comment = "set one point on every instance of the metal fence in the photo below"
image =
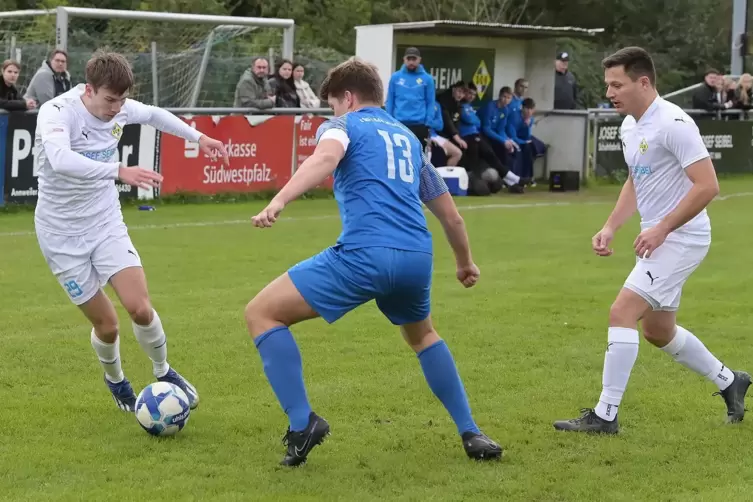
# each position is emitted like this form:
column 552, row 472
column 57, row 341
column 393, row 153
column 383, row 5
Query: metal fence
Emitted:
column 178, row 59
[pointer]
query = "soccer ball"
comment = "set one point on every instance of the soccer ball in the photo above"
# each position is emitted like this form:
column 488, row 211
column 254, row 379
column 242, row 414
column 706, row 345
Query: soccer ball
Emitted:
column 162, row 409
column 490, row 175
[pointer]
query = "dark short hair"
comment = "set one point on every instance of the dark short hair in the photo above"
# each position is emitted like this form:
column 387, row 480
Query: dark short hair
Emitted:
column 528, row 103
column 110, row 70
column 520, row 81
column 711, row 71
column 505, row 90
column 636, row 61
column 358, row 77
column 472, row 87
column 55, row 52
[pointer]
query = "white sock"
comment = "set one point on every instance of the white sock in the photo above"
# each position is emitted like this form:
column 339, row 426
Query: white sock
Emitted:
column 622, row 351
column 689, row 351
column 109, row 357
column 511, row 178
column 154, row 342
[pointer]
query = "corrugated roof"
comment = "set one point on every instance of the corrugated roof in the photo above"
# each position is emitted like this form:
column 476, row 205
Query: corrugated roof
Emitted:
column 450, row 27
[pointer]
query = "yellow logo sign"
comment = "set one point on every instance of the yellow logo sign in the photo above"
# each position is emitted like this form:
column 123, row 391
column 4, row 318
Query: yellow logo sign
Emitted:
column 482, row 79
column 117, row 131
column 419, row 81
column 643, row 146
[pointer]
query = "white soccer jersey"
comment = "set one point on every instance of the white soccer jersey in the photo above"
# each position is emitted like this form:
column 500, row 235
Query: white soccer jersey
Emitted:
column 77, row 160
column 657, row 149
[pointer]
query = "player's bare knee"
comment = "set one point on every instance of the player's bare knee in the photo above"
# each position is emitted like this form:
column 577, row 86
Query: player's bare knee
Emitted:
column 620, row 317
column 140, row 312
column 106, row 330
column 658, row 333
column 257, row 319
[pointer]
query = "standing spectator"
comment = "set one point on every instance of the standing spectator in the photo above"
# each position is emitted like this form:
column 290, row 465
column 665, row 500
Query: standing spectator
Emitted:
column 520, row 130
column 283, row 86
column 411, row 95
column 306, row 95
column 494, row 126
column 10, row 99
column 710, row 96
column 253, row 89
column 51, row 79
column 565, row 85
column 744, row 92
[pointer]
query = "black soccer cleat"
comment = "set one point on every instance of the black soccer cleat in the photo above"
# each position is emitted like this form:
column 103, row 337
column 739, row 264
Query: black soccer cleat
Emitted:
column 734, row 396
column 478, row 446
column 301, row 443
column 588, row 422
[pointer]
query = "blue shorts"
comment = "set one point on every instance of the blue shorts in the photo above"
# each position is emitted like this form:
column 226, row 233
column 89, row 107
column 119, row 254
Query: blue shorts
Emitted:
column 336, row 281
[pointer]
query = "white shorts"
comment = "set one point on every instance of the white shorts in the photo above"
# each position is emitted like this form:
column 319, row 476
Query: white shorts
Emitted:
column 660, row 278
column 439, row 141
column 84, row 264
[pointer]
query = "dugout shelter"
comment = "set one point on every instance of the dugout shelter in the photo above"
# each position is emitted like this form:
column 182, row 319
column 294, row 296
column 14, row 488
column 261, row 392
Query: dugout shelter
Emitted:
column 491, row 55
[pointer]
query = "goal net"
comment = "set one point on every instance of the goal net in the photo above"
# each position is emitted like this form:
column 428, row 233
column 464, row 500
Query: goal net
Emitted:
column 178, row 60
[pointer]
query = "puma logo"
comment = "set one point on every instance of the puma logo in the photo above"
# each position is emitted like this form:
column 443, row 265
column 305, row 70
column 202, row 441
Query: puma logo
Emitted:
column 58, row 107
column 131, row 252
column 680, row 120
column 648, row 273
column 85, row 134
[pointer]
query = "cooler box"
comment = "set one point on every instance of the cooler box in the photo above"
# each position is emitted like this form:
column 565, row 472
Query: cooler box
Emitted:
column 456, row 179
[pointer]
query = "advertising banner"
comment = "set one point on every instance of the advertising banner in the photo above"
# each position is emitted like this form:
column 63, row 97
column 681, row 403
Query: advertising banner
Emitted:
column 260, row 150
column 306, row 127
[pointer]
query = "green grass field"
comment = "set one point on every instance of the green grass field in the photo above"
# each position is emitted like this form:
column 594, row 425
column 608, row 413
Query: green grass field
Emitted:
column 529, row 342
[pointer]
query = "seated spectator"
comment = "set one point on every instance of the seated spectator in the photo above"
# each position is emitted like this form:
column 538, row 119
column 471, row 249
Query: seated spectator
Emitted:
column 440, row 146
column 477, row 149
column 51, row 79
column 10, row 99
column 306, row 95
column 253, row 89
column 494, row 118
column 743, row 97
column 282, row 85
column 520, row 130
column 711, row 96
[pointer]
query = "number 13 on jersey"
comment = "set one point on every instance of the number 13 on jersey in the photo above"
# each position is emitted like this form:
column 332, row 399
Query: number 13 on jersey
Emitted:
column 400, row 146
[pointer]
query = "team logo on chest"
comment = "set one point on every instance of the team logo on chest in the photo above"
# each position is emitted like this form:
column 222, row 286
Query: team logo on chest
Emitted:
column 643, row 146
column 117, row 131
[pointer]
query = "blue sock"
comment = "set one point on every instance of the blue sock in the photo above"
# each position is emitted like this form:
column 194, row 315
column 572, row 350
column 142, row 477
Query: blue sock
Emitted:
column 444, row 380
column 284, row 370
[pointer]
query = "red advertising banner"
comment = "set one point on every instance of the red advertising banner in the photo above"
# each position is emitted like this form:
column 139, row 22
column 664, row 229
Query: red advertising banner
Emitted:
column 260, row 151
column 306, row 128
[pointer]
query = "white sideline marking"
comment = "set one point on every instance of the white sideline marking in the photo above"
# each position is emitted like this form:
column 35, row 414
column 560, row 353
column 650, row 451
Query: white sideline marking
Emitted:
column 220, row 223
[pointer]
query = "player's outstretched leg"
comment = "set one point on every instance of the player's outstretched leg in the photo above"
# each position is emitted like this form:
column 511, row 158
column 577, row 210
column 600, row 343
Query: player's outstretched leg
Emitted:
column 130, row 286
column 444, row 381
column 268, row 317
column 661, row 330
column 621, row 354
column 106, row 343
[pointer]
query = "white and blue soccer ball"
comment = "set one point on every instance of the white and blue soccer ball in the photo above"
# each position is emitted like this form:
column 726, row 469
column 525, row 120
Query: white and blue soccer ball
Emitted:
column 162, row 409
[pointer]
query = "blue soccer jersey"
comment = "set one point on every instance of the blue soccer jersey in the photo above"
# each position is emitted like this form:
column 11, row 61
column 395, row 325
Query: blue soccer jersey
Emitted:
column 381, row 182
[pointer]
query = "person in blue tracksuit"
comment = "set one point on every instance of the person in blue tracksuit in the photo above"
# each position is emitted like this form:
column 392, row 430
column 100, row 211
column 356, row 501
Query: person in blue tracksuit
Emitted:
column 520, row 130
column 411, row 95
column 478, row 149
column 494, row 120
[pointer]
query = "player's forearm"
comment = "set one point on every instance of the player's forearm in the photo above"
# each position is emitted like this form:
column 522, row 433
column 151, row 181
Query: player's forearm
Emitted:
column 454, row 229
column 312, row 173
column 169, row 123
column 625, row 207
column 693, row 203
column 75, row 165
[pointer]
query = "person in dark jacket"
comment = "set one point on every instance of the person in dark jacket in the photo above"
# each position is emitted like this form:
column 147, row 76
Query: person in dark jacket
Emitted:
column 10, row 98
column 565, row 85
column 710, row 96
column 282, row 85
